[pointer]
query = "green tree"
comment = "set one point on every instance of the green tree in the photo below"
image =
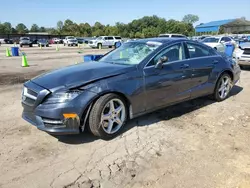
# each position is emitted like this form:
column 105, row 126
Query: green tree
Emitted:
column 7, row 28
column 42, row 29
column 2, row 29
column 190, row 18
column 21, row 28
column 59, row 26
column 34, row 28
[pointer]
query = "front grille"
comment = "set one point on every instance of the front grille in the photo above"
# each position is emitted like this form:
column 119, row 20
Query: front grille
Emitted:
column 246, row 52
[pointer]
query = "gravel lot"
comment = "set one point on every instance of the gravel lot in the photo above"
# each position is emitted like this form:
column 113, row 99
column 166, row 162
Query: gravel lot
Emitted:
column 200, row 143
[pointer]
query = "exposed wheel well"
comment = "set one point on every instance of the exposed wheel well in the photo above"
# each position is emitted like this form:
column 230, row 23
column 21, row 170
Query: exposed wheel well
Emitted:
column 229, row 73
column 84, row 120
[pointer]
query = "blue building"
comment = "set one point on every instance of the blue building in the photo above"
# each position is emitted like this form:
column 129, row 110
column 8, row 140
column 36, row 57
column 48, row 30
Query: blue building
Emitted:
column 212, row 27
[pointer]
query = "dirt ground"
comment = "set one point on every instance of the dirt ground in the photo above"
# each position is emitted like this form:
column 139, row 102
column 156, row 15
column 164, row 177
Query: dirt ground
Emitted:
column 196, row 144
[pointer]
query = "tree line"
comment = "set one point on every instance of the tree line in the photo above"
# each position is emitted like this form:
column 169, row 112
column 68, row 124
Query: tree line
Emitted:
column 148, row 26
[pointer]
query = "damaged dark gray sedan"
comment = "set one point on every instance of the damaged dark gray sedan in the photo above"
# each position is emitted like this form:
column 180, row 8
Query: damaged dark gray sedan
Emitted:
column 138, row 77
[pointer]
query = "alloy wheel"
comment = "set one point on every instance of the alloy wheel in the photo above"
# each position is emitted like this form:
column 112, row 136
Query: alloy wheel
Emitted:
column 224, row 87
column 113, row 116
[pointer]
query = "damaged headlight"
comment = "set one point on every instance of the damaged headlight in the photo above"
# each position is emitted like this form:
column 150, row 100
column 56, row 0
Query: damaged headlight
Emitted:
column 61, row 97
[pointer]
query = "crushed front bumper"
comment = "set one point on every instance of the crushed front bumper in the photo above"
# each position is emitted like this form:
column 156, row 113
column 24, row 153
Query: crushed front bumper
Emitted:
column 52, row 126
column 52, row 118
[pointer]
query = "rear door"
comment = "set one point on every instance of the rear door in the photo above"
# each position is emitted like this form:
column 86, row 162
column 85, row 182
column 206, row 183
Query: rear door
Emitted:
column 202, row 61
column 105, row 41
column 169, row 84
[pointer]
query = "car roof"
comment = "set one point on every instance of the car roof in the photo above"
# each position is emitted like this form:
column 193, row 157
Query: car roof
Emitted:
column 161, row 39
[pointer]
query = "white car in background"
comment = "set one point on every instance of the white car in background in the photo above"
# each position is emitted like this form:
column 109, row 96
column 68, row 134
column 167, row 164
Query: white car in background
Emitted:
column 172, row 35
column 218, row 43
column 242, row 55
column 104, row 41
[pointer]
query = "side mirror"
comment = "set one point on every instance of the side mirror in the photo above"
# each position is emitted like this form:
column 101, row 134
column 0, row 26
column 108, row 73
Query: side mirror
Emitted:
column 160, row 62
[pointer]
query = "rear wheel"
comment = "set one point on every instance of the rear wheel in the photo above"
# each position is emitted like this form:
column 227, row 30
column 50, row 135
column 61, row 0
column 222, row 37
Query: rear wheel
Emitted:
column 223, row 87
column 108, row 116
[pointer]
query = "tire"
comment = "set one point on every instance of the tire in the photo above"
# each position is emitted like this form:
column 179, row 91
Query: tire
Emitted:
column 64, row 44
column 242, row 67
column 215, row 48
column 21, row 45
column 218, row 93
column 99, row 45
column 30, row 45
column 108, row 128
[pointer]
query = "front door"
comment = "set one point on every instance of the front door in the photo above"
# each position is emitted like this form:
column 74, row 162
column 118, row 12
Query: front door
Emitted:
column 170, row 83
column 105, row 41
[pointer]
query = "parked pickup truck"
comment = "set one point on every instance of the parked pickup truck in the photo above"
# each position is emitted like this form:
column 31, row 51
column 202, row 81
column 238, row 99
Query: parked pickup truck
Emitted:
column 25, row 41
column 70, row 41
column 104, row 41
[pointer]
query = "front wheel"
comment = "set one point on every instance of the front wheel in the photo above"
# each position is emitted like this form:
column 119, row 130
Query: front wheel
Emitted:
column 99, row 46
column 223, row 87
column 108, row 116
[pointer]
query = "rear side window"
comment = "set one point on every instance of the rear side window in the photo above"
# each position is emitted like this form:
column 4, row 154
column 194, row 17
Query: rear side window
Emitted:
column 197, row 50
column 110, row 38
column 118, row 38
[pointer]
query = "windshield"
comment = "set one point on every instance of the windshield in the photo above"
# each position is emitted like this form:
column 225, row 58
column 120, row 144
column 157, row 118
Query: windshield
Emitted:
column 131, row 53
column 211, row 40
column 71, row 37
column 99, row 38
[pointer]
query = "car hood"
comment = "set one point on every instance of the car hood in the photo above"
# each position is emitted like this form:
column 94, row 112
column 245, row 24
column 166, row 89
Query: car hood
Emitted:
column 80, row 74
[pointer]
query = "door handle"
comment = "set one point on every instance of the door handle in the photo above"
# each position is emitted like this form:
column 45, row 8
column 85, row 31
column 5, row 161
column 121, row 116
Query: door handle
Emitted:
column 184, row 66
column 215, row 61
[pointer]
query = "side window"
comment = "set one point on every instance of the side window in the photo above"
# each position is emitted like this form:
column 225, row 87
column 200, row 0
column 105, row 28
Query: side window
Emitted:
column 118, row 38
column 197, row 51
column 223, row 39
column 227, row 39
column 105, row 38
column 110, row 38
column 173, row 53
